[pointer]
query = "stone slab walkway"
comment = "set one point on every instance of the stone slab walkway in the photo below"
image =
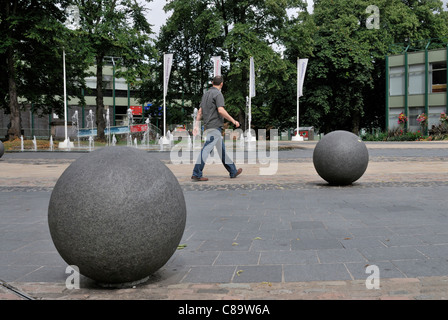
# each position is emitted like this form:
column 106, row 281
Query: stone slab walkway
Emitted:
column 282, row 236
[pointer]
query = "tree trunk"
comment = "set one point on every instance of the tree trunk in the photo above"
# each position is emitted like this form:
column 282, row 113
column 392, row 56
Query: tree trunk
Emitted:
column 356, row 122
column 100, row 123
column 242, row 120
column 15, row 129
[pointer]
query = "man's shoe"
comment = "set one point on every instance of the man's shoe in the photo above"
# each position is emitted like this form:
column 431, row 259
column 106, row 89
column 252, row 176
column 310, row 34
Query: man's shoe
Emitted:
column 237, row 173
column 194, row 178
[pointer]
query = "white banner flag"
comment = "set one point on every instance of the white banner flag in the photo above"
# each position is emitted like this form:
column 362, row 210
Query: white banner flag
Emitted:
column 167, row 63
column 301, row 70
column 216, row 66
column 252, row 78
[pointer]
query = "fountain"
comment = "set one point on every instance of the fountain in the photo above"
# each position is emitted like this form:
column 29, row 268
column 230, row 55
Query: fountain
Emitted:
column 241, row 141
column 161, row 143
column 130, row 120
column 75, row 125
column 51, row 143
column 189, row 143
column 90, row 123
column 108, row 126
column 144, row 139
column 194, row 115
column 147, row 132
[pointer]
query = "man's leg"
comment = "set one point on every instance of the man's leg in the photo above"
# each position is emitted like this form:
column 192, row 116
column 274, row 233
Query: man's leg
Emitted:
column 227, row 161
column 210, row 142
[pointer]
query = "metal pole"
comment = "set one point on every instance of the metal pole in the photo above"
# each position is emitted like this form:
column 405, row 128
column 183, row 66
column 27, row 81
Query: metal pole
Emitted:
column 298, row 94
column 65, row 97
column 406, row 89
column 113, row 81
column 297, row 137
column 387, row 93
column 164, row 99
column 249, row 118
column 427, row 85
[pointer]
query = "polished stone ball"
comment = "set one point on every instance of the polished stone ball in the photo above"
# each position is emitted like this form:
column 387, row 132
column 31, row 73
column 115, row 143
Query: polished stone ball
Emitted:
column 341, row 158
column 2, row 149
column 118, row 214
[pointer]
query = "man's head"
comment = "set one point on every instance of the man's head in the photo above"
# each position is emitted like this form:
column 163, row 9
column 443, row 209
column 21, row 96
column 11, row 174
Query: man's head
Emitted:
column 218, row 81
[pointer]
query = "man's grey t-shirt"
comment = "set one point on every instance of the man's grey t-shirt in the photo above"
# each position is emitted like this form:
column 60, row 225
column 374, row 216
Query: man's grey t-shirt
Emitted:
column 211, row 101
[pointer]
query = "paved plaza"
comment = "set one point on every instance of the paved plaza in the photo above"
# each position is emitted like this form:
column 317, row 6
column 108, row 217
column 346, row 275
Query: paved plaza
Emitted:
column 282, row 236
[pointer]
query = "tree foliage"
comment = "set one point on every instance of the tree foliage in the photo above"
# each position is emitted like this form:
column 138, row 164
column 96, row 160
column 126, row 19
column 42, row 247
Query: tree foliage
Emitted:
column 345, row 80
column 119, row 29
column 344, row 87
column 33, row 37
column 236, row 31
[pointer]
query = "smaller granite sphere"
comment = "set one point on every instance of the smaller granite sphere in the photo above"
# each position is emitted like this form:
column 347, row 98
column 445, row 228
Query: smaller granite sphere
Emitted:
column 341, row 158
column 2, row 149
column 118, row 214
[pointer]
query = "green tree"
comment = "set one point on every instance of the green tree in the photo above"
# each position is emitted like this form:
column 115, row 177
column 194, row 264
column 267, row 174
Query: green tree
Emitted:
column 33, row 36
column 346, row 78
column 115, row 28
column 253, row 28
column 235, row 30
column 187, row 34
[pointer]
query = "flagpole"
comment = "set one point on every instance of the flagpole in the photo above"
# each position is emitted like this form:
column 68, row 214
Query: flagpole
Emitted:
column 298, row 137
column 164, row 98
column 167, row 63
column 249, row 135
column 251, row 94
column 298, row 94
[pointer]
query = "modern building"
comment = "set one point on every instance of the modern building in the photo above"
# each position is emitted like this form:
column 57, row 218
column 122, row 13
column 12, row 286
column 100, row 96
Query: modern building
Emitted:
column 416, row 82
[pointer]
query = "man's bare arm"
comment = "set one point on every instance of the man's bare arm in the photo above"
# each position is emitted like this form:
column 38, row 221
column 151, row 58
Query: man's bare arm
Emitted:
column 223, row 112
column 198, row 119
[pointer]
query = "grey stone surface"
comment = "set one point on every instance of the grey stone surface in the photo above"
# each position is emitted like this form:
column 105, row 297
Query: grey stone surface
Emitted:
column 2, row 149
column 340, row 158
column 400, row 228
column 117, row 214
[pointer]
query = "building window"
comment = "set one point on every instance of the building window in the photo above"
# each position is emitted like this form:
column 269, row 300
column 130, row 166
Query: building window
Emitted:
column 414, row 112
column 396, row 82
column 417, row 79
column 439, row 77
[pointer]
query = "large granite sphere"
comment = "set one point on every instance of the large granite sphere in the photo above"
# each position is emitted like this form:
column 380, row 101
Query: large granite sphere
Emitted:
column 341, row 158
column 2, row 149
column 118, row 214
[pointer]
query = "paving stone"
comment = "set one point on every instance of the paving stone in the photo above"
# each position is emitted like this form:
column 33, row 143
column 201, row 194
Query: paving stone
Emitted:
column 307, row 225
column 278, row 230
column 289, row 257
column 423, row 268
column 209, row 274
column 248, row 274
column 315, row 272
column 340, row 255
column 393, row 253
column 237, row 258
column 315, row 244
column 386, row 270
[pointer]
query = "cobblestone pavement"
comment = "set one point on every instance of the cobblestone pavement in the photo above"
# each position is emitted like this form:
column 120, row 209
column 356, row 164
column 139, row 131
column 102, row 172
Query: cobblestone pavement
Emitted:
column 282, row 236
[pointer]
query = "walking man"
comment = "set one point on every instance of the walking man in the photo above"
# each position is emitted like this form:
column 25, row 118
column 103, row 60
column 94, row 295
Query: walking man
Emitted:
column 213, row 112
